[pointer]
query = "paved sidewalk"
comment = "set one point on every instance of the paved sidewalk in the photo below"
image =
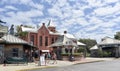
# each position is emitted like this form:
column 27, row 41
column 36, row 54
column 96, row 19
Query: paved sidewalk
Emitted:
column 59, row 64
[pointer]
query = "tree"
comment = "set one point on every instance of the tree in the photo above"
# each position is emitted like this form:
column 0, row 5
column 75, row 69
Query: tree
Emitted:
column 89, row 43
column 117, row 35
column 20, row 33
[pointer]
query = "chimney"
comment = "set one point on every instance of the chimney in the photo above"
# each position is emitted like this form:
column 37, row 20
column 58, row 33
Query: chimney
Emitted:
column 43, row 23
column 65, row 32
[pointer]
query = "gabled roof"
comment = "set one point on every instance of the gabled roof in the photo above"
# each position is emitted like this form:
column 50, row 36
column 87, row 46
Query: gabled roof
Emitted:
column 27, row 29
column 80, row 44
column 12, row 39
column 63, row 41
column 109, row 40
column 94, row 47
column 69, row 36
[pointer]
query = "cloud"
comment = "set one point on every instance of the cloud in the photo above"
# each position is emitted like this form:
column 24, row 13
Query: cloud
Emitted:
column 11, row 8
column 1, row 9
column 84, row 18
column 102, row 11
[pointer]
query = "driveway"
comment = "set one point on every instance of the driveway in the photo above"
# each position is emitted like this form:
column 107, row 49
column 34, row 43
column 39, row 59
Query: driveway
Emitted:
column 113, row 65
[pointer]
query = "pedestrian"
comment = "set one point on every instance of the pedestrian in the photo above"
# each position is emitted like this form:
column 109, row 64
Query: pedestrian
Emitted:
column 4, row 61
column 54, row 58
column 48, row 57
column 34, row 56
column 26, row 56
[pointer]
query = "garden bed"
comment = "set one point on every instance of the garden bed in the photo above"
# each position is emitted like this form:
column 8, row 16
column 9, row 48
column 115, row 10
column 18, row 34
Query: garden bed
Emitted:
column 77, row 56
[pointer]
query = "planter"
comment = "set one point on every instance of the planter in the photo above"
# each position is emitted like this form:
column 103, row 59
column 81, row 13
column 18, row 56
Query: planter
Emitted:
column 77, row 56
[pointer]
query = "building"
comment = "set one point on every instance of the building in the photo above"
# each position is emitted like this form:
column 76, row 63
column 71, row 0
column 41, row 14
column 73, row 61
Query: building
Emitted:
column 108, row 47
column 45, row 36
column 42, row 36
column 3, row 30
column 11, row 46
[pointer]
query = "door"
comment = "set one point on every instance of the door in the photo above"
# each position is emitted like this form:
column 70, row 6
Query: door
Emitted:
column 1, row 53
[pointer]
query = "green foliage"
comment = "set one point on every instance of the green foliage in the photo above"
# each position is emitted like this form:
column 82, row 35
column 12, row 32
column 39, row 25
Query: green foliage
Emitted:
column 104, row 53
column 23, row 34
column 89, row 43
column 81, row 49
column 75, row 54
column 19, row 32
column 117, row 35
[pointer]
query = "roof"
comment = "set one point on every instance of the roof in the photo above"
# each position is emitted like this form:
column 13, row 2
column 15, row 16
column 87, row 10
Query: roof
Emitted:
column 109, row 40
column 63, row 41
column 94, row 47
column 69, row 36
column 27, row 29
column 12, row 39
column 80, row 44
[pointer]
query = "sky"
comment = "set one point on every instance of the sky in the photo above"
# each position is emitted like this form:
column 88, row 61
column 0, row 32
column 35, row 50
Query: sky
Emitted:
column 94, row 19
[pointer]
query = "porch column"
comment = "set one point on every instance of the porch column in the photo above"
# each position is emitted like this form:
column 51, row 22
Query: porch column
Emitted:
column 117, row 52
column 101, row 51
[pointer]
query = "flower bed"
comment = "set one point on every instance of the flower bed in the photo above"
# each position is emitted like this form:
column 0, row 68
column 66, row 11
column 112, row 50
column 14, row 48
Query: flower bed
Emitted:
column 77, row 56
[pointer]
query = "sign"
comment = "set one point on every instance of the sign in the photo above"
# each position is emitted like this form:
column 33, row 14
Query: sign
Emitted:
column 42, row 60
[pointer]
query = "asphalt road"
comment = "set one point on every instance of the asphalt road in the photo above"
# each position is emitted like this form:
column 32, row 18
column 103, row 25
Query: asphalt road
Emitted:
column 97, row 66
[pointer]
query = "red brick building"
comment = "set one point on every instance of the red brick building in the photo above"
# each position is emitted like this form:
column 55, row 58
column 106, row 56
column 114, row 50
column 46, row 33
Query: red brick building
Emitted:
column 41, row 37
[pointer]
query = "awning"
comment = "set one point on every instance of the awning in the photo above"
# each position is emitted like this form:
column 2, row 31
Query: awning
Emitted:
column 45, row 50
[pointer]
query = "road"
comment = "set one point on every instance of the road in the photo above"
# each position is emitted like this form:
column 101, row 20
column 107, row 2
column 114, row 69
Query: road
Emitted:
column 98, row 66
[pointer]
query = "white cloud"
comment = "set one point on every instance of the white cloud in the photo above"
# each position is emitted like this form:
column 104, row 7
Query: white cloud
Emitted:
column 111, row 1
column 95, row 19
column 55, row 12
column 77, row 13
column 102, row 11
column 1, row 9
column 11, row 7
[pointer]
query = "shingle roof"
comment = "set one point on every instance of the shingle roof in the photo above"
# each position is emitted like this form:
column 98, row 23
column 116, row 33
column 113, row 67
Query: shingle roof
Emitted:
column 109, row 40
column 12, row 39
column 63, row 40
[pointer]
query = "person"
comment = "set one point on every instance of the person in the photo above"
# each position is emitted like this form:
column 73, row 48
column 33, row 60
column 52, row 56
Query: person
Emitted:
column 4, row 61
column 26, row 55
column 48, row 57
column 34, row 56
column 54, row 58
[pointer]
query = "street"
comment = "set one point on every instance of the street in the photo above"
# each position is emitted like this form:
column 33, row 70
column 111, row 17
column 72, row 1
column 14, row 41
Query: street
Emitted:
column 97, row 66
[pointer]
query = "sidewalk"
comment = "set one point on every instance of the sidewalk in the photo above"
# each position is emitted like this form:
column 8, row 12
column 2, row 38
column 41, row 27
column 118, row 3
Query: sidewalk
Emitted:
column 59, row 64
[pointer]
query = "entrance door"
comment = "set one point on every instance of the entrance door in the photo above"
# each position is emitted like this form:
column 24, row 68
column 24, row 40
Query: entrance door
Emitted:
column 1, row 53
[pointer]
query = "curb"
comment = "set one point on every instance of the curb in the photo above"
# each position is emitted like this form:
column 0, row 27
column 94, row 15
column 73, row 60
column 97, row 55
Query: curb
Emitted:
column 37, row 68
column 89, row 62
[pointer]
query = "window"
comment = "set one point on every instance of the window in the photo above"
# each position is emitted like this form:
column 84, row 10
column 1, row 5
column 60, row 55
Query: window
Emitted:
column 46, row 41
column 52, row 40
column 15, row 52
column 40, row 40
column 32, row 39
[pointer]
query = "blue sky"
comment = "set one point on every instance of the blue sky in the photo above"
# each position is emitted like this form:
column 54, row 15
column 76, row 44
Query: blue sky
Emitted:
column 83, row 18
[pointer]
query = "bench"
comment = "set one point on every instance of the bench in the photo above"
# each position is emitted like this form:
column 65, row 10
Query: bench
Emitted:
column 16, row 60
